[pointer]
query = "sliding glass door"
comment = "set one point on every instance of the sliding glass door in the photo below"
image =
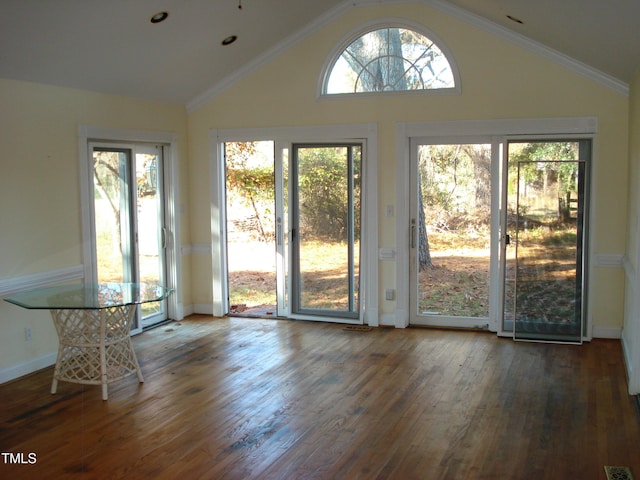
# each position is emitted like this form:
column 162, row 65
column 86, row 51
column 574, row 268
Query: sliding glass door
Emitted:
column 293, row 229
column 325, row 236
column 128, row 218
column 500, row 248
column 546, row 227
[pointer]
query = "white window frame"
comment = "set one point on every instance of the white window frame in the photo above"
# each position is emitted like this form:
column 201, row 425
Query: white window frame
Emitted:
column 381, row 24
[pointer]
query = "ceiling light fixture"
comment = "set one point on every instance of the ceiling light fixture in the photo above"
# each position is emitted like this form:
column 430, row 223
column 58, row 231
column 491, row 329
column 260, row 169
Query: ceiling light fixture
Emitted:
column 515, row 19
column 159, row 17
column 229, row 40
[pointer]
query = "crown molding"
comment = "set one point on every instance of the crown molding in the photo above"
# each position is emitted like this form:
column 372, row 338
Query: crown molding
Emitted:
column 442, row 5
column 525, row 42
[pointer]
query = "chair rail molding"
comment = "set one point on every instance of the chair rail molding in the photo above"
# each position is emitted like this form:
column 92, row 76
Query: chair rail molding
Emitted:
column 29, row 281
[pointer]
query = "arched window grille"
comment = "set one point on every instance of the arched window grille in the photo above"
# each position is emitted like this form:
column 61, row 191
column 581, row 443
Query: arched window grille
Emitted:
column 389, row 59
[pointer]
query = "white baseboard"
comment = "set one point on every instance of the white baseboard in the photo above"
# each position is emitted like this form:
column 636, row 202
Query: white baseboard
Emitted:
column 203, row 308
column 180, row 312
column 371, row 317
column 607, row 332
column 186, row 310
column 633, row 384
column 25, row 368
column 387, row 320
column 626, row 353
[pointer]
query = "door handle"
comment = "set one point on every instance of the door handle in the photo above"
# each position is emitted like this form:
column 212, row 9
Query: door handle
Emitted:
column 413, row 233
column 507, row 239
column 279, row 231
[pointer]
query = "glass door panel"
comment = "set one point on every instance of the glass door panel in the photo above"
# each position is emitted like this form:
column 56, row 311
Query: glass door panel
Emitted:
column 129, row 220
column 151, row 234
column 326, row 229
column 112, row 215
column 451, row 235
column 545, row 283
column 283, row 229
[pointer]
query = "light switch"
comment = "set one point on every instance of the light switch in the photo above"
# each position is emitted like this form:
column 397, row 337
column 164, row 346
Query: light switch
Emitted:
column 389, row 211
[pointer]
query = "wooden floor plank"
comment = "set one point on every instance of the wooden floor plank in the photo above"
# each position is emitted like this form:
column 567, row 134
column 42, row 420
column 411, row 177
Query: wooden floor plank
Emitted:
column 238, row 398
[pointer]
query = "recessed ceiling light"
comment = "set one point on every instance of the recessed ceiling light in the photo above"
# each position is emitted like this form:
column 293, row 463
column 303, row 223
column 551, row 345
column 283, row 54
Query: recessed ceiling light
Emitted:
column 159, row 17
column 229, row 40
column 515, row 19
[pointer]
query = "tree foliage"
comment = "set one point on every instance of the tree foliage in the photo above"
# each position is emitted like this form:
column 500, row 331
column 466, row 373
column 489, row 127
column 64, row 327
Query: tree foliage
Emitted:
column 540, row 166
column 393, row 59
column 454, row 191
column 542, row 163
column 323, row 188
column 107, row 184
column 456, row 185
column 252, row 182
column 323, row 192
column 378, row 57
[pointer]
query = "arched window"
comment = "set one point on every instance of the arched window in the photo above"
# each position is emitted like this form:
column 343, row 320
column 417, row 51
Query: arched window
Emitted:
column 389, row 59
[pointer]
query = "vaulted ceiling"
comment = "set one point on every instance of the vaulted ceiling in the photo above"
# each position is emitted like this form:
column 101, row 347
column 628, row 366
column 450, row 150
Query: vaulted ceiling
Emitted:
column 112, row 47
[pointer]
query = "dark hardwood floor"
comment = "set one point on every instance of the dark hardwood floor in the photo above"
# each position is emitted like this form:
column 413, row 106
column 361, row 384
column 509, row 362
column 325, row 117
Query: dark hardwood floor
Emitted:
column 238, row 398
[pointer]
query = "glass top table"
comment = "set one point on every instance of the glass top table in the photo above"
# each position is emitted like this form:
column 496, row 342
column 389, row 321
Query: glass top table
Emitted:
column 93, row 322
column 90, row 296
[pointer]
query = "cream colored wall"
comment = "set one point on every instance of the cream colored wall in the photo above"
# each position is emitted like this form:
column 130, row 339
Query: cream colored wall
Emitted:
column 40, row 227
column 499, row 80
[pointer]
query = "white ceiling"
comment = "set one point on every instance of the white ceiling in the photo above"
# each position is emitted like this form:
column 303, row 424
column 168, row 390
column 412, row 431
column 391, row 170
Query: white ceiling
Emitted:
column 110, row 46
column 604, row 34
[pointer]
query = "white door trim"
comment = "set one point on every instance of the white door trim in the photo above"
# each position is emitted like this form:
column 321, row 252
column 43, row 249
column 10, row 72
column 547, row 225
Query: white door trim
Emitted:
column 460, row 129
column 87, row 134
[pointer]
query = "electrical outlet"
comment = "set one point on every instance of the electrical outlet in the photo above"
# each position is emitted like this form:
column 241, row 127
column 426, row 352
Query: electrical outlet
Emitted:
column 27, row 334
column 390, row 294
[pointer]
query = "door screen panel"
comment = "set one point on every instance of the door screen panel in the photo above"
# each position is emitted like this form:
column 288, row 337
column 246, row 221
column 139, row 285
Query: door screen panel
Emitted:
column 545, row 282
column 151, row 234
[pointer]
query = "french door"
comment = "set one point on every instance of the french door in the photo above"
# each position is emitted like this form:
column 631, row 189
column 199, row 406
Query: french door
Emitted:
column 128, row 216
column 546, row 225
column 293, row 229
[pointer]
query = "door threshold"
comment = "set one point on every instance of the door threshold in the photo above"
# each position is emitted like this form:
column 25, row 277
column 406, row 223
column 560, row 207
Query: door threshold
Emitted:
column 257, row 311
column 156, row 325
